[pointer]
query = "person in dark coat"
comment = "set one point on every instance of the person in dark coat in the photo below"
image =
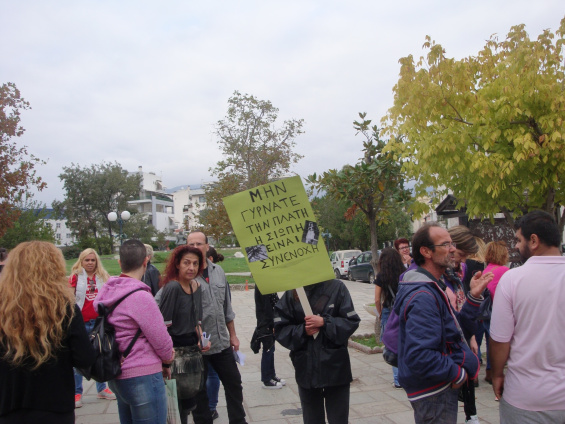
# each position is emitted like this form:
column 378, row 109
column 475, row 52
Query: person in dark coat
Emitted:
column 42, row 337
column 152, row 274
column 264, row 335
column 321, row 364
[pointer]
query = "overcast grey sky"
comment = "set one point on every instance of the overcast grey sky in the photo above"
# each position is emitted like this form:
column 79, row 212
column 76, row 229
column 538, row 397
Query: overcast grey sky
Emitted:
column 144, row 83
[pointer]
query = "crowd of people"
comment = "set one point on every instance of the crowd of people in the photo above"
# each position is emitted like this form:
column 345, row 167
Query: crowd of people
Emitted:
column 448, row 291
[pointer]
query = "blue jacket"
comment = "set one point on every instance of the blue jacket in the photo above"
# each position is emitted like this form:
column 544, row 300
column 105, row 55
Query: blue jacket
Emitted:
column 431, row 352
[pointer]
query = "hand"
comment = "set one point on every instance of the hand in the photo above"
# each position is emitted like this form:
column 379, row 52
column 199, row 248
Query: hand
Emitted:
column 456, row 386
column 234, row 342
column 207, row 348
column 479, row 283
column 498, row 385
column 166, row 373
column 406, row 259
column 473, row 345
column 313, row 324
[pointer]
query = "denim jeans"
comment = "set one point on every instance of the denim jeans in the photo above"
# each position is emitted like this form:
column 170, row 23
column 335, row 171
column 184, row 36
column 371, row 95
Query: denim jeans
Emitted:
column 384, row 318
column 437, row 409
column 141, row 399
column 212, row 387
column 78, row 377
column 484, row 329
column 268, row 364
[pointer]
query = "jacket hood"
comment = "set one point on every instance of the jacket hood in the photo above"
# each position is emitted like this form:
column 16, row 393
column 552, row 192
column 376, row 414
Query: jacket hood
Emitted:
column 117, row 287
column 411, row 282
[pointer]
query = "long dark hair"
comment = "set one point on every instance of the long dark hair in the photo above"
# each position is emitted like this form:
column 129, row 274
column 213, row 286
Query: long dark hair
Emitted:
column 390, row 268
column 172, row 271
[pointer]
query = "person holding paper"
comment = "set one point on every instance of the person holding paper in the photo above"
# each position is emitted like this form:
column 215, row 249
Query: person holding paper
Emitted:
column 318, row 348
column 218, row 321
column 181, row 306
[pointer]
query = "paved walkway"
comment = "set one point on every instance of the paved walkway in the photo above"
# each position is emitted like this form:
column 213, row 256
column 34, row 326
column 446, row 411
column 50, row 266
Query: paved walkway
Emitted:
column 373, row 399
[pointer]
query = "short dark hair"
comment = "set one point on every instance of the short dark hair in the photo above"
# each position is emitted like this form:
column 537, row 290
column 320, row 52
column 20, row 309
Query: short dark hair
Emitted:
column 400, row 241
column 132, row 255
column 541, row 224
column 421, row 239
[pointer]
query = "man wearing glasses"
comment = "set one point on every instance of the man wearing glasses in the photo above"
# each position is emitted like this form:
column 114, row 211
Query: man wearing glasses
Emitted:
column 433, row 358
column 218, row 322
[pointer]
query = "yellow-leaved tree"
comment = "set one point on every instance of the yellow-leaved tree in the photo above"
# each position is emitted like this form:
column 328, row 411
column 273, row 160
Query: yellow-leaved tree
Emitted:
column 489, row 128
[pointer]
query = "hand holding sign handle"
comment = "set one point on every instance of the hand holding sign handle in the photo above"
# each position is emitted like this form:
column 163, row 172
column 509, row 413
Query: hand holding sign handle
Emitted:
column 305, row 305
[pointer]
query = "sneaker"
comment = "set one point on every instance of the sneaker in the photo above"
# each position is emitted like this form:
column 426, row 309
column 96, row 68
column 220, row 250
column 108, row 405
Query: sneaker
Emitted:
column 106, row 394
column 78, row 401
column 272, row 384
column 473, row 420
column 214, row 414
column 280, row 380
column 397, row 386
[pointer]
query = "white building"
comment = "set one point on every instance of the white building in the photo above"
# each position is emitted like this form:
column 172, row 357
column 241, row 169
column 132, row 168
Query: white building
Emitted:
column 189, row 201
column 63, row 234
column 154, row 202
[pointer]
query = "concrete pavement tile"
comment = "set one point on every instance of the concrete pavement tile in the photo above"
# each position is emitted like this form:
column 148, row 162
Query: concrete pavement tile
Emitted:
column 274, row 411
column 378, row 408
column 257, row 396
column 381, row 419
column 360, row 397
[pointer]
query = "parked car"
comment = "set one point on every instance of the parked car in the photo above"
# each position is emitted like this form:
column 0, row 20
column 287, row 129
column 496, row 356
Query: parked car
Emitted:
column 361, row 268
column 340, row 261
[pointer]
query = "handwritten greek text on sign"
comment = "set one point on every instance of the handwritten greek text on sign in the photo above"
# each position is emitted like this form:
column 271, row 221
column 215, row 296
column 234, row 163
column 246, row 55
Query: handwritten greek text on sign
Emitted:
column 276, row 228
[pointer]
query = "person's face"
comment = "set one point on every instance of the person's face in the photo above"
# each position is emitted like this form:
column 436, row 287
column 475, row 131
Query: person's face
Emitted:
column 442, row 256
column 188, row 267
column 458, row 257
column 198, row 240
column 404, row 249
column 522, row 245
column 89, row 263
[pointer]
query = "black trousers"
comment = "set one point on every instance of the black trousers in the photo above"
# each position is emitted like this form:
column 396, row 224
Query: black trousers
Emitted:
column 336, row 404
column 224, row 364
column 468, row 395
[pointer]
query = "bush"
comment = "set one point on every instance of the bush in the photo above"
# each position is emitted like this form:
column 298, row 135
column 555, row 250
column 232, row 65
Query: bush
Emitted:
column 160, row 257
column 71, row 252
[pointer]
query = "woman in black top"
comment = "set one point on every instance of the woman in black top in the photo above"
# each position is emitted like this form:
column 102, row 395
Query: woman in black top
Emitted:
column 42, row 337
column 390, row 268
column 181, row 306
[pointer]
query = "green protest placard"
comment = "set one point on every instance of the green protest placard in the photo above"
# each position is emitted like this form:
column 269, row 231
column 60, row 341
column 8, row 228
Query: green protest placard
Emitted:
column 277, row 230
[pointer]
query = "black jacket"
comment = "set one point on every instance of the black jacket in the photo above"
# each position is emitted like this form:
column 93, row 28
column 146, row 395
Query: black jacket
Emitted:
column 324, row 361
column 51, row 387
column 151, row 278
column 264, row 312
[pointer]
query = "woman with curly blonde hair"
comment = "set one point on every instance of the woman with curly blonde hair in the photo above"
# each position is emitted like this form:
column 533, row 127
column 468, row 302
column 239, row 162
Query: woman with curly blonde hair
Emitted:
column 41, row 337
column 87, row 277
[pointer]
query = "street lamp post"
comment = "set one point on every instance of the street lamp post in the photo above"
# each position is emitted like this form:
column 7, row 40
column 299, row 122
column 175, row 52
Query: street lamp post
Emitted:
column 124, row 216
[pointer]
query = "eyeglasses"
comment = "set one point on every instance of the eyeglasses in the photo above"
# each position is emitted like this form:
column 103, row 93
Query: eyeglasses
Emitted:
column 446, row 244
column 404, row 247
column 195, row 244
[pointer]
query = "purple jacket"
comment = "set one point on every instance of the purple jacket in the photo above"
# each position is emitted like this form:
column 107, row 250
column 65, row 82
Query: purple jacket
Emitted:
column 138, row 310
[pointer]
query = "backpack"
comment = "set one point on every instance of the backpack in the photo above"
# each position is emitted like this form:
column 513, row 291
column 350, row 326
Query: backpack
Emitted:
column 108, row 363
column 390, row 336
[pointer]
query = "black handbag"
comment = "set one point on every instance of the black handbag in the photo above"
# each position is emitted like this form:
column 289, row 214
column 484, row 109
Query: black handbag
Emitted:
column 485, row 310
column 188, row 369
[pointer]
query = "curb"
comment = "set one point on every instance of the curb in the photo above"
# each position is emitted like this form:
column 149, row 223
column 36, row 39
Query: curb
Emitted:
column 362, row 348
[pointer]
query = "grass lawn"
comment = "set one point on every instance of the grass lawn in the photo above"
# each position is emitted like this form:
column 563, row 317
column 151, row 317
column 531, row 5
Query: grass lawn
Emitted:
column 366, row 341
column 229, row 264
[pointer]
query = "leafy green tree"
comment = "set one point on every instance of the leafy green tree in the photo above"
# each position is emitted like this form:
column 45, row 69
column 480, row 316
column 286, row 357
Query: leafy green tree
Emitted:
column 30, row 225
column 489, row 128
column 90, row 194
column 17, row 166
column 255, row 152
column 138, row 228
column 374, row 186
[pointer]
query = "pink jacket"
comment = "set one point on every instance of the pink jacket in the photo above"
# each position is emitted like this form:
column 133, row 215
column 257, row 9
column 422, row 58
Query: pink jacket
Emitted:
column 138, row 310
column 498, row 272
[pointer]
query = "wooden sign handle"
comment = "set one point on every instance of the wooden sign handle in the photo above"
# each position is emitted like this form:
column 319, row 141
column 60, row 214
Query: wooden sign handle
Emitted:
column 305, row 304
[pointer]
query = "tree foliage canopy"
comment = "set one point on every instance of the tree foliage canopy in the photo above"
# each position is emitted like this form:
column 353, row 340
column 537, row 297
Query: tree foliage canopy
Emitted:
column 91, row 193
column 30, row 225
column 17, row 166
column 373, row 186
column 489, row 128
column 255, row 152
